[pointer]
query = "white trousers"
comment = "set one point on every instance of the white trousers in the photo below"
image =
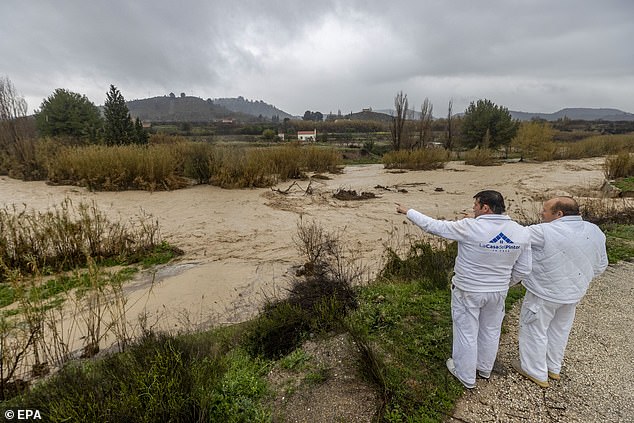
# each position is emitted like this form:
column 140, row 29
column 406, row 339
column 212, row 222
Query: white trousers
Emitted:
column 543, row 335
column 477, row 321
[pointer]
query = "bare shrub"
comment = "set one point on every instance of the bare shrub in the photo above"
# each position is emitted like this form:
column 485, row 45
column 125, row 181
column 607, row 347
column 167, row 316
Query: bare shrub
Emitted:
column 605, row 210
column 64, row 236
column 320, row 295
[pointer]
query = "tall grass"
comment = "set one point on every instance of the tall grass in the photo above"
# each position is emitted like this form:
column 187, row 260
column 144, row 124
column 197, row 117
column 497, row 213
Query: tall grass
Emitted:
column 114, row 168
column 595, row 146
column 168, row 165
column 421, row 159
column 262, row 167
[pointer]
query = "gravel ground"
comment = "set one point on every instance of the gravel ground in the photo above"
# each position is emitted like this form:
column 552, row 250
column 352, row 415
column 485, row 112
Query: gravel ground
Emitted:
column 598, row 372
column 595, row 386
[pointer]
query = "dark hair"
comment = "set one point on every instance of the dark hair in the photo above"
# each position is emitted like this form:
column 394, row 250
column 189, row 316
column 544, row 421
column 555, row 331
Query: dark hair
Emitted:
column 566, row 205
column 493, row 199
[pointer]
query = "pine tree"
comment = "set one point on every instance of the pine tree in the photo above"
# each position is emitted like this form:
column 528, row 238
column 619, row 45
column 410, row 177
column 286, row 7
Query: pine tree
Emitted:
column 119, row 128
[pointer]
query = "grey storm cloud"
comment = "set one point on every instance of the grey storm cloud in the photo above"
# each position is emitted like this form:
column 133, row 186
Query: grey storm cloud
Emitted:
column 526, row 55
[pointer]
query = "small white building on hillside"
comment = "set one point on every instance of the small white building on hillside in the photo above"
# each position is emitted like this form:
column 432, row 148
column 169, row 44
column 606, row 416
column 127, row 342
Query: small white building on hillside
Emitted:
column 307, row 135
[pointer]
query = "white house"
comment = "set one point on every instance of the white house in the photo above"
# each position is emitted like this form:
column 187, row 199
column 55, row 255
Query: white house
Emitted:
column 307, row 135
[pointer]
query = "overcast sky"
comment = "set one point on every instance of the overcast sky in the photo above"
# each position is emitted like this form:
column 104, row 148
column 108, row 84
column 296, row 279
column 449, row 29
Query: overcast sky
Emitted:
column 330, row 55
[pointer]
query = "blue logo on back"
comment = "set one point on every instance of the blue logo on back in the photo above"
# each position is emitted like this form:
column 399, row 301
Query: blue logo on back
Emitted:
column 500, row 243
column 501, row 238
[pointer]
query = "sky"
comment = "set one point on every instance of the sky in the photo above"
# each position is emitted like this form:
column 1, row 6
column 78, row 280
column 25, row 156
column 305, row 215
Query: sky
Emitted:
column 326, row 56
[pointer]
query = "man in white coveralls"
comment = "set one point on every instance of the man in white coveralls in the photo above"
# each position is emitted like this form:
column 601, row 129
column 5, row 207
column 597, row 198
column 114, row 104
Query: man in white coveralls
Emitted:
column 567, row 254
column 493, row 250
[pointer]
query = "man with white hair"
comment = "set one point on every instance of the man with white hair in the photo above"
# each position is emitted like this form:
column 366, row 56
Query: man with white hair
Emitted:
column 493, row 250
column 567, row 254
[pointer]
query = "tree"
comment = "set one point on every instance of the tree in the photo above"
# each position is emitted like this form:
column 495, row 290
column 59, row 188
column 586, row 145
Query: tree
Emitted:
column 485, row 116
column 13, row 110
column 269, row 135
column 118, row 128
column 450, row 127
column 314, row 116
column 65, row 113
column 141, row 135
column 534, row 140
column 398, row 120
column 424, row 125
column 17, row 138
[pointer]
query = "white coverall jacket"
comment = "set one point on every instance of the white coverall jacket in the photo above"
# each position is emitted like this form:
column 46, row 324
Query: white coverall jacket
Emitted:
column 493, row 250
column 567, row 254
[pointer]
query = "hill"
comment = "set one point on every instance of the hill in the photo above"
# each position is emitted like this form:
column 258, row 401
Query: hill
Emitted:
column 251, row 107
column 370, row 115
column 177, row 109
column 577, row 113
column 195, row 109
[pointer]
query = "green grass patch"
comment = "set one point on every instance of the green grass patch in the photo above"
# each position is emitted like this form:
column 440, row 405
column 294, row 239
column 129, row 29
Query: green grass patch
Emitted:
column 295, row 361
column 625, row 184
column 409, row 328
column 620, row 241
column 161, row 378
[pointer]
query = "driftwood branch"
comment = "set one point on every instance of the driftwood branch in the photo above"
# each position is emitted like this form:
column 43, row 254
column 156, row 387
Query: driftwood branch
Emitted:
column 307, row 191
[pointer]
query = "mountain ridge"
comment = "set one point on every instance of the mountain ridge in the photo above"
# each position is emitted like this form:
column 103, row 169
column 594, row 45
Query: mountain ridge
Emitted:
column 195, row 109
column 577, row 113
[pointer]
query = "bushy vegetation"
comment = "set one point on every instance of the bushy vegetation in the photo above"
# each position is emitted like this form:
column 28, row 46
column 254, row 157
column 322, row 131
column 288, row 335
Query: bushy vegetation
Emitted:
column 202, row 377
column 481, row 157
column 319, row 298
column 595, row 146
column 619, row 166
column 428, row 263
column 535, row 140
column 421, row 159
column 169, row 165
